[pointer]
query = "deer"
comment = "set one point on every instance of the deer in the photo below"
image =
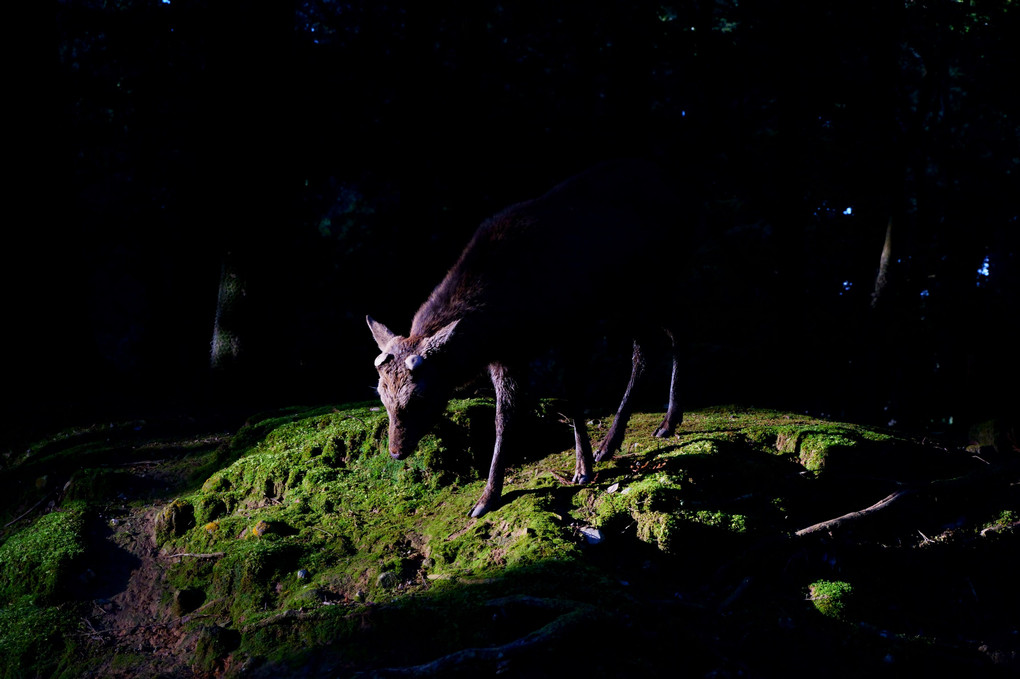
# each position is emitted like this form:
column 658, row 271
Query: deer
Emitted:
column 595, row 251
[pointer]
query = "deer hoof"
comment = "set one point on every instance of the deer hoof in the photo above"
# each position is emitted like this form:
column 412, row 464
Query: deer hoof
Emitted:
column 665, row 430
column 484, row 506
column 581, row 479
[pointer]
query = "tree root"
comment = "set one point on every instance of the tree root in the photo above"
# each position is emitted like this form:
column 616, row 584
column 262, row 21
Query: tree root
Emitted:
column 487, row 660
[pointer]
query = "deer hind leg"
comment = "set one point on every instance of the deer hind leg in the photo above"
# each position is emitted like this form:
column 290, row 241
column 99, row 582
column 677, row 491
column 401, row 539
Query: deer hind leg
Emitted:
column 506, row 397
column 584, row 469
column 611, row 443
column 674, row 412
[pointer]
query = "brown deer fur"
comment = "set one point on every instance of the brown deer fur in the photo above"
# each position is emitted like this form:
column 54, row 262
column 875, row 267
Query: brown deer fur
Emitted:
column 545, row 273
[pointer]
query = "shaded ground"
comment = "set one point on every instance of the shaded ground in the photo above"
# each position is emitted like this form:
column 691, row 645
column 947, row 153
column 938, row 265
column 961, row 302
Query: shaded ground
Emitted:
column 754, row 543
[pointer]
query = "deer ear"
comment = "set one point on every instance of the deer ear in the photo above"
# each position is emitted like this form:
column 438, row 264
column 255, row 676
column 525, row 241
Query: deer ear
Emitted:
column 439, row 340
column 383, row 336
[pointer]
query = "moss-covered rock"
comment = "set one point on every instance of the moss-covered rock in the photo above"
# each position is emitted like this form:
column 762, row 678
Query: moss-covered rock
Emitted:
column 302, row 548
column 39, row 560
column 174, row 520
column 832, row 598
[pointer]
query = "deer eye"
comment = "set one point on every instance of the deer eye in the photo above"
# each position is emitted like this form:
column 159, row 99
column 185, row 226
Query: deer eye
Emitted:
column 382, row 358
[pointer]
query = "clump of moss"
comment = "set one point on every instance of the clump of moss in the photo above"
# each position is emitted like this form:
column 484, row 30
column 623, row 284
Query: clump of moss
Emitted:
column 214, row 643
column 816, row 449
column 39, row 559
column 36, row 568
column 174, row 520
column 34, row 638
column 831, row 598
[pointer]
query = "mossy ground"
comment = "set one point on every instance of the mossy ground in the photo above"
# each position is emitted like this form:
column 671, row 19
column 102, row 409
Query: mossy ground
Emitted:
column 297, row 547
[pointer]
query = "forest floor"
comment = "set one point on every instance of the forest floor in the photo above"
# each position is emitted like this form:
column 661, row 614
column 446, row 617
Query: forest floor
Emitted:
column 754, row 543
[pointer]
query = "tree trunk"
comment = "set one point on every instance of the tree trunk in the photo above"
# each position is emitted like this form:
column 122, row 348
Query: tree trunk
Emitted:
column 883, row 266
column 226, row 338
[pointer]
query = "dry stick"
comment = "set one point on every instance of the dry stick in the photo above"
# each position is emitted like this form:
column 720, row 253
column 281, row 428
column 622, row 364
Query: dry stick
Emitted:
column 852, row 516
column 148, row 626
column 989, row 473
column 30, row 510
column 212, row 555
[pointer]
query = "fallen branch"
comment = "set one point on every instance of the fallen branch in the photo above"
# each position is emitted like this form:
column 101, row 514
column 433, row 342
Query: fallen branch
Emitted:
column 120, row 631
column 212, row 555
column 990, row 474
column 854, row 516
column 999, row 527
column 30, row 510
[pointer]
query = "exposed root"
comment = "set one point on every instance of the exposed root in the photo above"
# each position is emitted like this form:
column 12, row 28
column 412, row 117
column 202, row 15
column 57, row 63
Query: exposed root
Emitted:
column 489, row 660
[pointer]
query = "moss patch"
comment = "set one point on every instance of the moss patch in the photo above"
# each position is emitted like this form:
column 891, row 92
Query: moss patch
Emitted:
column 38, row 561
column 831, row 598
column 299, row 547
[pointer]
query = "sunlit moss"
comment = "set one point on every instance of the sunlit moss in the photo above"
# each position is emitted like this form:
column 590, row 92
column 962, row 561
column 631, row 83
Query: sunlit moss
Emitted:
column 39, row 559
column 831, row 598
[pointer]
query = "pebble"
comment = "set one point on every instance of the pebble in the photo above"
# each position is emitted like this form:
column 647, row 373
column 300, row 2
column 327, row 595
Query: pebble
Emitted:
column 592, row 535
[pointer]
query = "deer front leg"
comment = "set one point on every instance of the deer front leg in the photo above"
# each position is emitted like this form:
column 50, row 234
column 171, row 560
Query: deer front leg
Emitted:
column 584, row 469
column 506, row 393
column 675, row 412
column 611, row 443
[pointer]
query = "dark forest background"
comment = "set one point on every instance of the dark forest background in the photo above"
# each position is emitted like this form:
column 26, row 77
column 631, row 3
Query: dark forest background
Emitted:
column 302, row 164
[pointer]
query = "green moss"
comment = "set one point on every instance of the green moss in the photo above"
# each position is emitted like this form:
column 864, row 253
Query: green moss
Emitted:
column 213, row 645
column 174, row 520
column 816, row 449
column 39, row 559
column 831, row 598
column 34, row 638
column 248, row 575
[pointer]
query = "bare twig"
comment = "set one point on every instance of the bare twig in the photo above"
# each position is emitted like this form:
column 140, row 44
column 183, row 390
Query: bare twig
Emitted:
column 134, row 628
column 211, row 555
column 30, row 510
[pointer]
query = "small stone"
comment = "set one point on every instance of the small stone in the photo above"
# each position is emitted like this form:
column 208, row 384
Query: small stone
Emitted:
column 613, row 488
column 592, row 535
column 387, row 580
column 302, row 574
